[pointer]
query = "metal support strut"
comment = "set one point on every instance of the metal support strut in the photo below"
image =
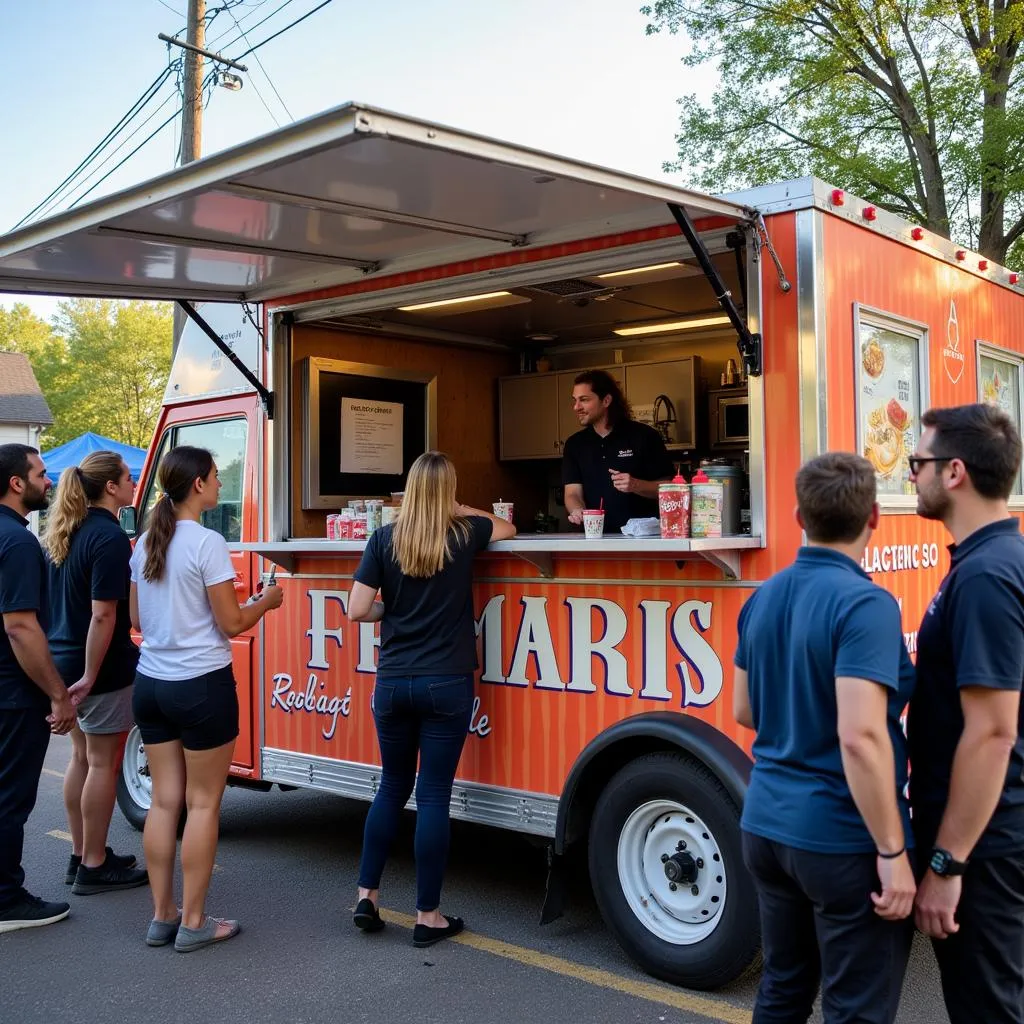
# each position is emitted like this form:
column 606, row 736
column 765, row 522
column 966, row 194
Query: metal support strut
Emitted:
column 267, row 397
column 748, row 344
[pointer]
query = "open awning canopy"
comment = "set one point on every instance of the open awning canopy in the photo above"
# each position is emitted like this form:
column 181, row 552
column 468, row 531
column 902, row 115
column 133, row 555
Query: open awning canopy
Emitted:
column 352, row 192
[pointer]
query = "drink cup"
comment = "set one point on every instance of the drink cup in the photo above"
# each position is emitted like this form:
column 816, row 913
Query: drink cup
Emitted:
column 503, row 509
column 593, row 522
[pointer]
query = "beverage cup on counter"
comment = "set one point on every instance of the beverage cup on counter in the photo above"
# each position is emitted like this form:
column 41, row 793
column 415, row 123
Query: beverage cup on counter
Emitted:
column 593, row 523
column 503, row 510
column 388, row 514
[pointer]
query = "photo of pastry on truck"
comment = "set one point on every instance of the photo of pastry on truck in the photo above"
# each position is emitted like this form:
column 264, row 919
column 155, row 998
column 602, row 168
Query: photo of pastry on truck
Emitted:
column 631, row 371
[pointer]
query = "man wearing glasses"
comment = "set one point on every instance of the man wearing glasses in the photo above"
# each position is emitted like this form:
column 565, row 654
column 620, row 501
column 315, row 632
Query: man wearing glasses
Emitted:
column 965, row 735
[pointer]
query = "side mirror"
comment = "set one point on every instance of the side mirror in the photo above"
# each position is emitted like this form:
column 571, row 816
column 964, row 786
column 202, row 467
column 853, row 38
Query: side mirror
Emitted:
column 127, row 518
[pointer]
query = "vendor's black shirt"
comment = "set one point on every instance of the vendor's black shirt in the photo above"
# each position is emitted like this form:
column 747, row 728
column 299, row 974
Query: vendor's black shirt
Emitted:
column 428, row 626
column 96, row 569
column 631, row 447
column 972, row 635
column 22, row 589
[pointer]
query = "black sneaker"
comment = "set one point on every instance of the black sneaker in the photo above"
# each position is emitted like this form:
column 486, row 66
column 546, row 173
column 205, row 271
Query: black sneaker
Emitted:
column 32, row 912
column 109, row 877
column 125, row 860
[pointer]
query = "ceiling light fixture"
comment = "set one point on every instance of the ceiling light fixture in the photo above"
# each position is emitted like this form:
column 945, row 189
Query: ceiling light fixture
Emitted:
column 454, row 302
column 677, row 325
column 640, row 270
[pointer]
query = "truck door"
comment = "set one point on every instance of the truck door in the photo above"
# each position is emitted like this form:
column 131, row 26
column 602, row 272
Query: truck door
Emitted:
column 227, row 428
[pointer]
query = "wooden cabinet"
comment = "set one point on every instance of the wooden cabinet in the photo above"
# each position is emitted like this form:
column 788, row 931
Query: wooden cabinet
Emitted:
column 528, row 417
column 536, row 416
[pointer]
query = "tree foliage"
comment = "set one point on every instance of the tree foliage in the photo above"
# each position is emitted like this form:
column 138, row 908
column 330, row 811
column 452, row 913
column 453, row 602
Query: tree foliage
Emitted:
column 102, row 366
column 916, row 105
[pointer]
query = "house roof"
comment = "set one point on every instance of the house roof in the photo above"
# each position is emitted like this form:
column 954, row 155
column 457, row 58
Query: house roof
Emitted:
column 21, row 401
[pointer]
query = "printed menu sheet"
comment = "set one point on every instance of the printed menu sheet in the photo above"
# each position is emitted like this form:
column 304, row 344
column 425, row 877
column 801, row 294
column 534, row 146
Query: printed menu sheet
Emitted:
column 889, row 370
column 999, row 385
column 371, row 436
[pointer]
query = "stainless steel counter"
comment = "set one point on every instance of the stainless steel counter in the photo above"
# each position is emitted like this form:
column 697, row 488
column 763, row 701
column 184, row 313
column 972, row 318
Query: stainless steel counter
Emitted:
column 540, row 549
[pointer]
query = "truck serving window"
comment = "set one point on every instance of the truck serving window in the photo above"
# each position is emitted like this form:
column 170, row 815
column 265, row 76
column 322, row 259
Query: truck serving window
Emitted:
column 226, row 440
column 999, row 383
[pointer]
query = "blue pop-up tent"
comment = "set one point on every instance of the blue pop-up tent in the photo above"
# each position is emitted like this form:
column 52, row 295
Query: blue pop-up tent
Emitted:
column 71, row 454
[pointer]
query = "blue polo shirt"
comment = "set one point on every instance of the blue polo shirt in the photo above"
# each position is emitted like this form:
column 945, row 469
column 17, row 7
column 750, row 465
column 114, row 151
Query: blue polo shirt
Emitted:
column 819, row 619
column 972, row 635
column 22, row 589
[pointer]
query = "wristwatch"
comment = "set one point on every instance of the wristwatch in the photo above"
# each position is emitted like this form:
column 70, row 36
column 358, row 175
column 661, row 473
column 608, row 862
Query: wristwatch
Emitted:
column 943, row 864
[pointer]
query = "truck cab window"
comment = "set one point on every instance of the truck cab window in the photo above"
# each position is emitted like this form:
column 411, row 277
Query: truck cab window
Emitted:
column 226, row 440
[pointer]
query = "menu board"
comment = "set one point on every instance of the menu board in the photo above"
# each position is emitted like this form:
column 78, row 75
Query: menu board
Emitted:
column 999, row 385
column 371, row 436
column 889, row 373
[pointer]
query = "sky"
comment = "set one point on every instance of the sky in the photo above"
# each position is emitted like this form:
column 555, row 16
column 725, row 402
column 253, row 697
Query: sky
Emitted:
column 578, row 78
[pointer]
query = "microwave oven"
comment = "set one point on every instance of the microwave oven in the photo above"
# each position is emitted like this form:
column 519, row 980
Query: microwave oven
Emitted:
column 728, row 418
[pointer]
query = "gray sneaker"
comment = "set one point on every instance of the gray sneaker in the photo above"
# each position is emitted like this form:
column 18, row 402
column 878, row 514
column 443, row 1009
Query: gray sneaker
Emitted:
column 109, row 877
column 32, row 912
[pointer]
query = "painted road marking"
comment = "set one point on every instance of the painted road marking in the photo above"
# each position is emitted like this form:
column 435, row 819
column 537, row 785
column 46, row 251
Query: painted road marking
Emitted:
column 58, row 834
column 50, row 771
column 679, row 1000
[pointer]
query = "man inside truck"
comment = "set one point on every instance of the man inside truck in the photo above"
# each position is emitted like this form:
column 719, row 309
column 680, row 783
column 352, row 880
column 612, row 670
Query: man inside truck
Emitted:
column 614, row 462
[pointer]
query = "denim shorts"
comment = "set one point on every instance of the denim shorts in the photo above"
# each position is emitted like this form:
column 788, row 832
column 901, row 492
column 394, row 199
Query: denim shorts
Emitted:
column 201, row 712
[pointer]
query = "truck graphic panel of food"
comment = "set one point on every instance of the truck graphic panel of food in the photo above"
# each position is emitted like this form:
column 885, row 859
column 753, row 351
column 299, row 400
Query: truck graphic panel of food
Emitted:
column 874, row 359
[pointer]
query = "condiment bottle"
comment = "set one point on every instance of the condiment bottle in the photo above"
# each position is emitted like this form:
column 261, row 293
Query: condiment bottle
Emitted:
column 674, row 507
column 706, row 501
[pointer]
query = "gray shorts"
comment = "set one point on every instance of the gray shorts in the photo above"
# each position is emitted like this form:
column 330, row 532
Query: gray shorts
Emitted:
column 106, row 713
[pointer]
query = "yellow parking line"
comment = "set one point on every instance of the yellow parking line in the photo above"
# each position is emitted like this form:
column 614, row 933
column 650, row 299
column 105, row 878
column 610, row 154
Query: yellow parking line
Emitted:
column 50, row 771
column 711, row 1008
column 58, row 834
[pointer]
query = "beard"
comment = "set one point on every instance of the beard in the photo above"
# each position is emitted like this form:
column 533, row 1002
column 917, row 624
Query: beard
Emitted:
column 35, row 499
column 933, row 503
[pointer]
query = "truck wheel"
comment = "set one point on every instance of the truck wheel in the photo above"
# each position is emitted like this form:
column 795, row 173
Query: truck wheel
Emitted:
column 668, row 872
column 134, row 786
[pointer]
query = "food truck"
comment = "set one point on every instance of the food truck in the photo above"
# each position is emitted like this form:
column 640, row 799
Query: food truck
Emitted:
column 363, row 286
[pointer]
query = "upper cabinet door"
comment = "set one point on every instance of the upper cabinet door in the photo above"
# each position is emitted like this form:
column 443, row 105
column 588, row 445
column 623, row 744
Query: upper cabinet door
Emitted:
column 529, row 417
column 674, row 379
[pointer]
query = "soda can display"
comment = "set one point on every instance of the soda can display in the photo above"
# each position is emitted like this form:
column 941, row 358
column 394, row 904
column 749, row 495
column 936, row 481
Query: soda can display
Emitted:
column 345, row 525
column 359, row 526
column 333, row 527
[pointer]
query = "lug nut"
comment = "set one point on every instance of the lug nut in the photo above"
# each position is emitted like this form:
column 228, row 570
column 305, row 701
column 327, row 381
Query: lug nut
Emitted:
column 695, row 890
column 680, row 845
column 700, row 862
column 664, row 857
column 673, row 886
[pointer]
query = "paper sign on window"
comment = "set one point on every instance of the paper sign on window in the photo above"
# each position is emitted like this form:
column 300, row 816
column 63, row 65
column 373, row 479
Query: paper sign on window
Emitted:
column 371, row 436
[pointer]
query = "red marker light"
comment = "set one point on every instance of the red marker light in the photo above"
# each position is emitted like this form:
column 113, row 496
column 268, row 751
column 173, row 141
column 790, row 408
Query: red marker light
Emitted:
column 917, row 234
column 961, row 255
column 1014, row 278
column 838, row 197
column 869, row 213
column 983, row 264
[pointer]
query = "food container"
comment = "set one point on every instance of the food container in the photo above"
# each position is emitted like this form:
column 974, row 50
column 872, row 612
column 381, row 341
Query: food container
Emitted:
column 593, row 523
column 706, row 501
column 345, row 524
column 503, row 509
column 334, row 526
column 732, row 479
column 674, row 508
column 373, row 516
column 357, row 505
column 388, row 514
column 359, row 526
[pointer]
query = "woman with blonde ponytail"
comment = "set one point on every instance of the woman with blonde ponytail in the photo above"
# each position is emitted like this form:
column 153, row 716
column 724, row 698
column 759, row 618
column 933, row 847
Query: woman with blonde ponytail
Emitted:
column 422, row 565
column 90, row 639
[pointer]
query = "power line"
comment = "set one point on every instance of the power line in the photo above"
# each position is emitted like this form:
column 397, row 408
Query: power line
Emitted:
column 269, row 39
column 263, row 21
column 265, row 75
column 169, row 7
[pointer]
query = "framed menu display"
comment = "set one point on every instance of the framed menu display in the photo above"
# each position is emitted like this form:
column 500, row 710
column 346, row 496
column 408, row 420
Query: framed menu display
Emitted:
column 999, row 383
column 892, row 371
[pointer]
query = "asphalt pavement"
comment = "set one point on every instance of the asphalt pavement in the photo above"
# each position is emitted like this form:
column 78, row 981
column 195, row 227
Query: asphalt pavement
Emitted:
column 286, row 868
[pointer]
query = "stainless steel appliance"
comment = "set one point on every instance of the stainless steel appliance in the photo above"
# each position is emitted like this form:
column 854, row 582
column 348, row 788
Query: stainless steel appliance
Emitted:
column 728, row 419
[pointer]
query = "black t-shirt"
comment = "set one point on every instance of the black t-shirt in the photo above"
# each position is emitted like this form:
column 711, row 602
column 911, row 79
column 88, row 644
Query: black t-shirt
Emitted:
column 972, row 635
column 96, row 569
column 22, row 589
column 631, row 447
column 428, row 626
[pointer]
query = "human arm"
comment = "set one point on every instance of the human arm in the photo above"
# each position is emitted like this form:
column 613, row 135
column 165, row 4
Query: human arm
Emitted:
column 133, row 607
column 741, row 709
column 28, row 642
column 574, row 503
column 362, row 606
column 501, row 529
column 97, row 643
column 632, row 485
column 233, row 618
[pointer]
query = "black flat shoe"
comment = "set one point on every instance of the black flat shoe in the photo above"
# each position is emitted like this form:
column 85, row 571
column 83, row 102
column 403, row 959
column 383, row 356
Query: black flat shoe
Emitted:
column 367, row 917
column 423, row 935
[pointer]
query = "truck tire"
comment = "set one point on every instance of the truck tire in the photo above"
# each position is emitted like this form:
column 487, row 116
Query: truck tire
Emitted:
column 134, row 786
column 667, row 872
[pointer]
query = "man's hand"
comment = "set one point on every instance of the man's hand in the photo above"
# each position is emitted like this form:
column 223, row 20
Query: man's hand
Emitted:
column 77, row 692
column 61, row 716
column 896, row 900
column 936, row 903
column 576, row 517
column 622, row 481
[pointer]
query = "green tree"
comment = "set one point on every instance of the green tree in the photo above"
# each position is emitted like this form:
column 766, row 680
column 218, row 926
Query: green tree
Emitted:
column 913, row 104
column 102, row 365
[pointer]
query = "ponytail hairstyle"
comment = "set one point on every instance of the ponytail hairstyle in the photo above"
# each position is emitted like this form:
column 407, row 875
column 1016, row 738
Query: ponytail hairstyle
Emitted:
column 424, row 529
column 79, row 487
column 179, row 470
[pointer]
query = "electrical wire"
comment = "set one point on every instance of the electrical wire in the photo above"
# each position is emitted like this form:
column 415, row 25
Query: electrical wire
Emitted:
column 169, row 7
column 298, row 21
column 263, row 21
column 265, row 75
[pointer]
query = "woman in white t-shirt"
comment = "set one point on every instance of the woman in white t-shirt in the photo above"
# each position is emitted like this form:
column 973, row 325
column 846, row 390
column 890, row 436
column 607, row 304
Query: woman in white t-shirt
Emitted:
column 183, row 601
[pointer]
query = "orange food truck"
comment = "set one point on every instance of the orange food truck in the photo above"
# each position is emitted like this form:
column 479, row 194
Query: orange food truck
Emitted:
column 364, row 286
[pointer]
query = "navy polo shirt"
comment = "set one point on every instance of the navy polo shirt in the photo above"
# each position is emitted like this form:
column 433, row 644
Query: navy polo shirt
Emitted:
column 96, row 569
column 631, row 447
column 972, row 635
column 22, row 589
column 819, row 619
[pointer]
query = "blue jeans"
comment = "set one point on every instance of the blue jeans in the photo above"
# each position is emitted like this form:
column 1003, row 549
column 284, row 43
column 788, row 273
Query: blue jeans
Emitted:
column 426, row 716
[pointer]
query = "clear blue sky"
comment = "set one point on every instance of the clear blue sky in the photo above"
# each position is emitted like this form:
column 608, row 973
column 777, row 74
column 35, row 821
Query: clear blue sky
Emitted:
column 577, row 77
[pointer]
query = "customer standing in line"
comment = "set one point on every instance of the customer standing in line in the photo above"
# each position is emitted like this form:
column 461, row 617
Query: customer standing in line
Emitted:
column 183, row 600
column 91, row 643
column 30, row 685
column 422, row 565
column 822, row 675
column 966, row 725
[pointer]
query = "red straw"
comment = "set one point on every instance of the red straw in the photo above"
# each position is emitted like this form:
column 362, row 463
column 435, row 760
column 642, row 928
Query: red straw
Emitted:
column 600, row 505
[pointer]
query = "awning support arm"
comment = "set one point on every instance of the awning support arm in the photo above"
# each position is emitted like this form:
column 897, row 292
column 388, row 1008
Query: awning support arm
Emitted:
column 748, row 344
column 267, row 397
